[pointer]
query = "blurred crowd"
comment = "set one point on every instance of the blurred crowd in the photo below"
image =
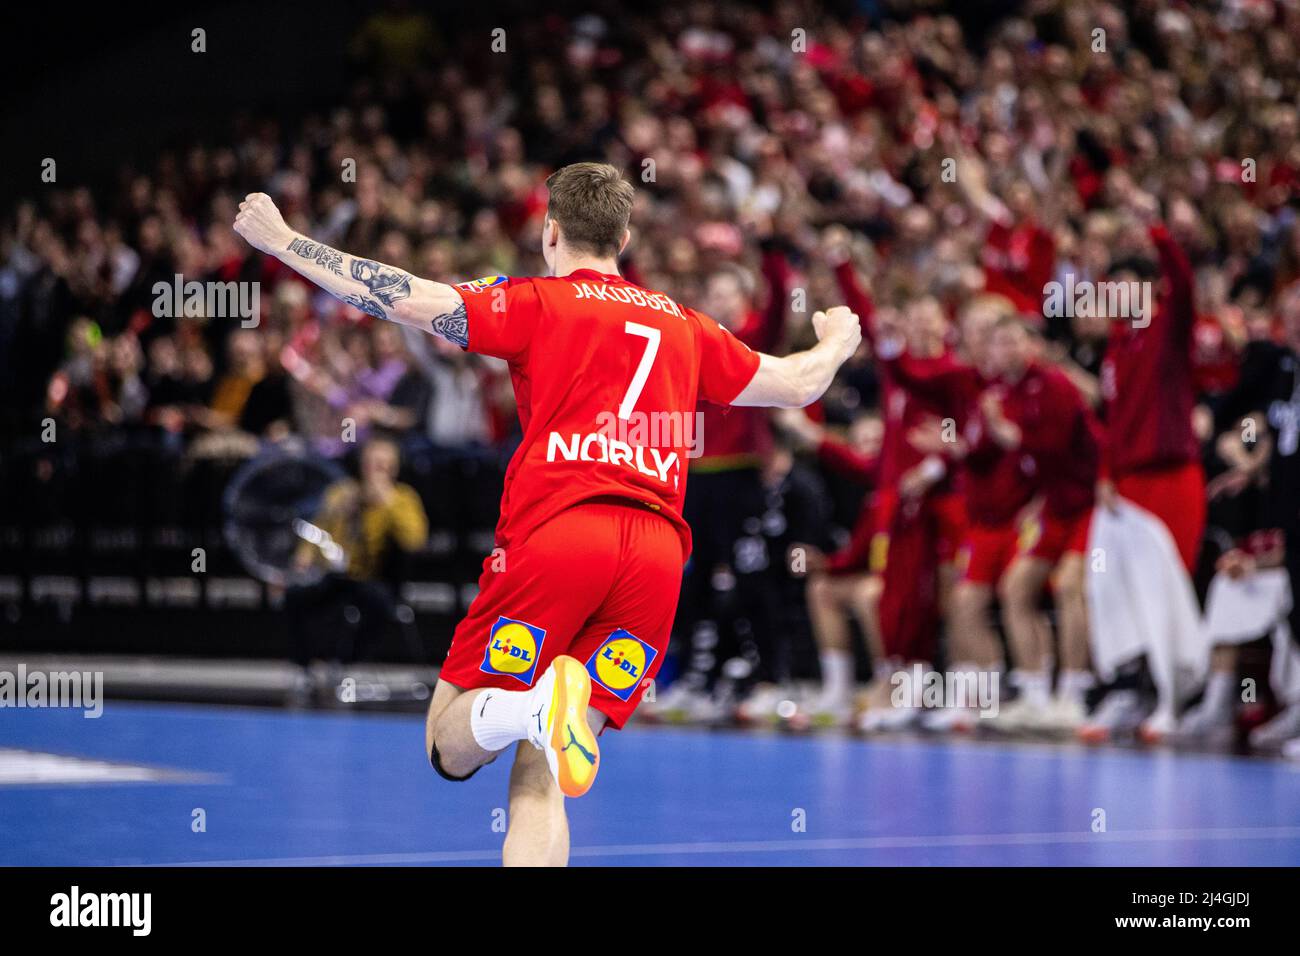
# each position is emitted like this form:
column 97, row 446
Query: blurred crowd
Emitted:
column 946, row 164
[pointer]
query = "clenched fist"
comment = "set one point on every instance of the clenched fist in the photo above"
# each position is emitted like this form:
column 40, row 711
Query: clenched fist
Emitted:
column 840, row 325
column 261, row 224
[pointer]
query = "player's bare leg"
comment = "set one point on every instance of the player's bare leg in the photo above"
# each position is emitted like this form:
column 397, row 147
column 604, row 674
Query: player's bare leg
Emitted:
column 1217, row 711
column 1072, row 617
column 973, row 638
column 538, row 829
column 1019, row 591
column 466, row 729
column 864, row 602
column 830, row 600
column 866, row 608
column 447, row 725
column 973, row 646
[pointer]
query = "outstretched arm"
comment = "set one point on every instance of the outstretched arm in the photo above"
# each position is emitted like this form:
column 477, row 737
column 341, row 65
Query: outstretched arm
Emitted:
column 376, row 289
column 794, row 381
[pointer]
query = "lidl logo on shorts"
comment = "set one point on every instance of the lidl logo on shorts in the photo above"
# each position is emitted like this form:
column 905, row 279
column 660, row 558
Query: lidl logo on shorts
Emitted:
column 620, row 663
column 878, row 553
column 478, row 285
column 513, row 648
column 1031, row 532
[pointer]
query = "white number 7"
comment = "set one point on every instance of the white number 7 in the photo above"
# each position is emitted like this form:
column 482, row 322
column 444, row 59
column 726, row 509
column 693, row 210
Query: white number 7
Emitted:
column 642, row 370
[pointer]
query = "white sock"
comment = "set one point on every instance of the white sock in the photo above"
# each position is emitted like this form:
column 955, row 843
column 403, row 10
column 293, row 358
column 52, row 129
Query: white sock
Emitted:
column 837, row 674
column 1220, row 690
column 500, row 717
column 1074, row 685
column 1035, row 687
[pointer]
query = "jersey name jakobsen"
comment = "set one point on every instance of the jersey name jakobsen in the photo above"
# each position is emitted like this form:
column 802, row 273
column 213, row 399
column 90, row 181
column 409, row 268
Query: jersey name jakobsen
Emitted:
column 629, row 295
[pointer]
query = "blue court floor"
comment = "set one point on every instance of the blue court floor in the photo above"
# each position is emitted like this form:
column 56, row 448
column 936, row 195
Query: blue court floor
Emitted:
column 272, row 787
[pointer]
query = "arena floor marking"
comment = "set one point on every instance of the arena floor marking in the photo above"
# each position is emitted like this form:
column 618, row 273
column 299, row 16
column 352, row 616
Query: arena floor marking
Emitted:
column 320, row 789
column 774, row 846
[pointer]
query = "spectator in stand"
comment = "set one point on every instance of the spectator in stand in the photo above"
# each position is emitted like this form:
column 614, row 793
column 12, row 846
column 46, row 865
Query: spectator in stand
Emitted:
column 371, row 520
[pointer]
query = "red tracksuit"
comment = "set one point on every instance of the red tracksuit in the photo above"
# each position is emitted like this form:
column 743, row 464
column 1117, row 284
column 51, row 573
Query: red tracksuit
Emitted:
column 1061, row 438
column 1147, row 377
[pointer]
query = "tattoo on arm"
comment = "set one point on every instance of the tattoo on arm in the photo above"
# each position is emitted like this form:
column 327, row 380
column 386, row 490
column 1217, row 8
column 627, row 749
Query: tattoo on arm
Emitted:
column 385, row 283
column 366, row 304
column 320, row 253
column 385, row 286
column 453, row 326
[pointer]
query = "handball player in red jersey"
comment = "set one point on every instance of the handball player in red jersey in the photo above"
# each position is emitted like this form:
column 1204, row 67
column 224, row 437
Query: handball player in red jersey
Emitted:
column 575, row 604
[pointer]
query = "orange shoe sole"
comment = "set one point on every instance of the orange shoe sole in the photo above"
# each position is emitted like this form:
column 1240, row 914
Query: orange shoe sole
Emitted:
column 575, row 747
column 1093, row 735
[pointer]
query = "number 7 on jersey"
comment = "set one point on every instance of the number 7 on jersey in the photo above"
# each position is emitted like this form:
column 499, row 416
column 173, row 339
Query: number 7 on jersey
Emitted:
column 642, row 369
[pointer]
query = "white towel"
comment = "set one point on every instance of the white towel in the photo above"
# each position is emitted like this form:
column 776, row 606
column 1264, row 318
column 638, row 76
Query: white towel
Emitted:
column 1244, row 609
column 1141, row 601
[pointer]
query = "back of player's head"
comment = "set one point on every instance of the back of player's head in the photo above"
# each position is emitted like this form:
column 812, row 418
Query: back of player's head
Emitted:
column 1015, row 324
column 592, row 204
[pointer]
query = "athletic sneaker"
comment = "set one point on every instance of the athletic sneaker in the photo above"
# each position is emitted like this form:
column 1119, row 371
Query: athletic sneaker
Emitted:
column 1119, row 713
column 559, row 726
column 1291, row 749
column 1022, row 716
column 762, row 703
column 884, row 719
column 1066, row 714
column 828, row 710
column 681, row 703
column 1208, row 719
column 1276, row 732
column 1156, row 728
column 950, row 720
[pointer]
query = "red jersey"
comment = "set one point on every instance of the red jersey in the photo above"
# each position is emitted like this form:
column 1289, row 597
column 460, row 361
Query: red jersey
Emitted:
column 606, row 376
column 1058, row 431
column 1147, row 379
column 901, row 408
column 997, row 483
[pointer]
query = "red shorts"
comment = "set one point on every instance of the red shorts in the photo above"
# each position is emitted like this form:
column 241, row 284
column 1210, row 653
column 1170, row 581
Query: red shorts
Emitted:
column 598, row 582
column 986, row 552
column 1175, row 495
column 949, row 514
column 950, row 523
column 1050, row 538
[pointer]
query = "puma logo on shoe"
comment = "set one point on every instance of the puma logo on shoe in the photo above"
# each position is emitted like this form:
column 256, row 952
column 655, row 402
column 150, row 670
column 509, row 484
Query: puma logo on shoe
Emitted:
column 573, row 742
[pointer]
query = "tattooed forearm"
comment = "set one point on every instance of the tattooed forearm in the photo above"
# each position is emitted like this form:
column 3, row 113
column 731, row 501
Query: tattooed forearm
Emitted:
column 386, row 283
column 366, row 304
column 453, row 326
column 381, row 290
column 319, row 253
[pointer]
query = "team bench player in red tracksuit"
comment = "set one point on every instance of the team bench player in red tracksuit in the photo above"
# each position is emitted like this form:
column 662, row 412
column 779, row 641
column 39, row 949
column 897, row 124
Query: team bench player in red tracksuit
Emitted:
column 575, row 604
